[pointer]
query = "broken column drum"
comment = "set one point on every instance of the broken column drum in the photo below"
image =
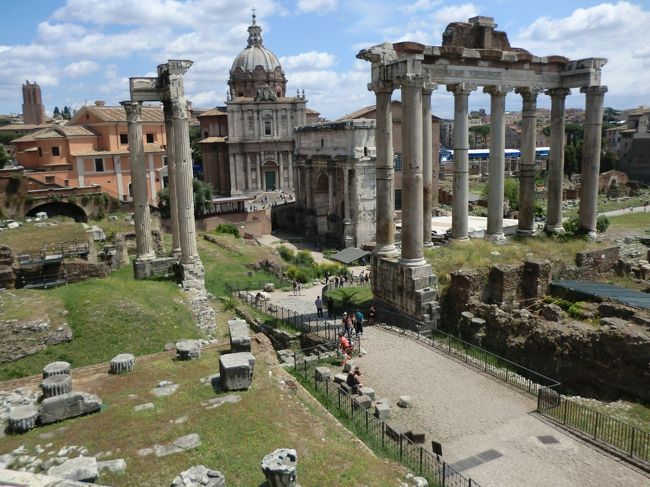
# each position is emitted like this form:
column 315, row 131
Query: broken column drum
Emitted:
column 279, row 468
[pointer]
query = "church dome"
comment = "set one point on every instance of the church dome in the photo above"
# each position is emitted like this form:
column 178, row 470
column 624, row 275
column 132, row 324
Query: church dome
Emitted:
column 256, row 67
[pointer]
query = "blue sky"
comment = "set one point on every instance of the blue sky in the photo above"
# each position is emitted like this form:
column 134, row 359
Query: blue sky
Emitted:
column 84, row 50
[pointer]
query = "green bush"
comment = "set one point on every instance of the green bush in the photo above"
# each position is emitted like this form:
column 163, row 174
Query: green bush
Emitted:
column 575, row 312
column 602, row 224
column 286, row 253
column 304, row 258
column 301, row 274
column 571, row 225
column 227, row 228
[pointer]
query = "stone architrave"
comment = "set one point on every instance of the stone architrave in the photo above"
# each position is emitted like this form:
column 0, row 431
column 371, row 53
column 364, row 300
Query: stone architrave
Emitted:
column 556, row 161
column 171, row 179
column 144, row 246
column 591, row 149
column 460, row 195
column 385, row 206
column 236, row 371
column 68, row 405
column 527, row 168
column 427, row 163
column 497, row 161
column 279, row 468
column 412, row 179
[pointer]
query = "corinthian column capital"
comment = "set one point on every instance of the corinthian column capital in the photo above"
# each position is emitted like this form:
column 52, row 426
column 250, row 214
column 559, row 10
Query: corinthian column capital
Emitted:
column 497, row 90
column 461, row 89
column 558, row 92
column 593, row 90
column 133, row 111
column 383, row 86
column 179, row 107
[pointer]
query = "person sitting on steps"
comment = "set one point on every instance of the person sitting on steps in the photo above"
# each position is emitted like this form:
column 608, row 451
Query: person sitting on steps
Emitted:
column 354, row 380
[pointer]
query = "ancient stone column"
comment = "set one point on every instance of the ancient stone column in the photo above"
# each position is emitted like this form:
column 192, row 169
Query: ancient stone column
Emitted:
column 346, row 193
column 184, row 176
column 591, row 158
column 427, row 163
column 496, row 163
column 385, row 209
column 331, row 180
column 171, row 179
column 556, row 161
column 460, row 196
column 144, row 246
column 412, row 179
column 527, row 168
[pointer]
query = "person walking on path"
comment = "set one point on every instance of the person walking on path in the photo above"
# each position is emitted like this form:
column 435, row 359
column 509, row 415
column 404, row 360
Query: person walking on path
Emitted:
column 319, row 307
column 347, row 325
column 294, row 285
column 330, row 308
column 372, row 314
column 358, row 323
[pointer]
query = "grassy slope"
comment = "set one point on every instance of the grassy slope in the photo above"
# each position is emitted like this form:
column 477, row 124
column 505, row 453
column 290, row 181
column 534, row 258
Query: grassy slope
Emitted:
column 108, row 316
column 269, row 416
column 30, row 238
column 639, row 222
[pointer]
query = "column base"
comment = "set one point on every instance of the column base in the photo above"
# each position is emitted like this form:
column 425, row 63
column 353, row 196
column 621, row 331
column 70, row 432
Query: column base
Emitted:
column 554, row 229
column 148, row 256
column 176, row 253
column 525, row 233
column 386, row 251
column 412, row 262
column 495, row 237
column 460, row 239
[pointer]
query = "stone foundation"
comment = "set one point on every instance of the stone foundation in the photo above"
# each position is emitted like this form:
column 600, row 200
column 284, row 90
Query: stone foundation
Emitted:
column 409, row 290
column 158, row 267
column 191, row 275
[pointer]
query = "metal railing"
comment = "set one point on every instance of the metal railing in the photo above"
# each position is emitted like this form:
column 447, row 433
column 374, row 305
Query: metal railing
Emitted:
column 305, row 323
column 514, row 374
column 257, row 285
column 375, row 432
column 629, row 440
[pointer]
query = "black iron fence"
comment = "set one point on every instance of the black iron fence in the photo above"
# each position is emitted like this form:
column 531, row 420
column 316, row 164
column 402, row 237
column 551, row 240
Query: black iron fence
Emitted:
column 375, row 432
column 305, row 323
column 625, row 438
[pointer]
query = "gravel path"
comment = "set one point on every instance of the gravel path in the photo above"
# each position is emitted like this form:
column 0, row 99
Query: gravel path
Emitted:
column 487, row 430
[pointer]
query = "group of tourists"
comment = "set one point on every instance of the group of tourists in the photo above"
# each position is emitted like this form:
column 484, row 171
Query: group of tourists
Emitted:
column 297, row 288
column 349, row 279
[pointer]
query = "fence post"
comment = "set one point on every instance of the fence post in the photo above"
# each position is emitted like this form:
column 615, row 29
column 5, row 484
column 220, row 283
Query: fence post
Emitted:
column 421, row 460
column 596, row 425
column 327, row 388
column 295, row 363
column 444, row 473
column 382, row 433
column 339, row 395
column 632, row 442
column 366, row 420
column 564, row 413
column 400, row 447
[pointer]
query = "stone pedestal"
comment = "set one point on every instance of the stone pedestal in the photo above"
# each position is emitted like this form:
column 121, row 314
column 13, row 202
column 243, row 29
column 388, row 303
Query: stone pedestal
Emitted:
column 22, row 418
column 156, row 267
column 122, row 363
column 236, row 371
column 56, row 368
column 409, row 290
column 199, row 476
column 279, row 468
column 240, row 340
column 56, row 385
column 188, row 349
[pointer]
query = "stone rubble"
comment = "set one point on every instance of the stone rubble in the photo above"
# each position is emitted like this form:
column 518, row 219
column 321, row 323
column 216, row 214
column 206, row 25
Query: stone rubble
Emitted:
column 184, row 443
column 17, row 397
column 164, row 388
column 144, row 407
column 117, row 466
column 83, row 469
column 220, row 401
column 199, row 476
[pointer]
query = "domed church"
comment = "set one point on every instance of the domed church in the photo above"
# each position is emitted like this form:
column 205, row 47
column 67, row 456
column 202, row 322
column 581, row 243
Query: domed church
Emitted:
column 248, row 146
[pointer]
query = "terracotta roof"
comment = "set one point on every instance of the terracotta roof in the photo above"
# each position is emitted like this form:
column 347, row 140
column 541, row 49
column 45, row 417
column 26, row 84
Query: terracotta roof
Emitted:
column 212, row 112
column 46, row 133
column 117, row 114
column 76, row 130
column 148, row 148
column 22, row 127
column 56, row 132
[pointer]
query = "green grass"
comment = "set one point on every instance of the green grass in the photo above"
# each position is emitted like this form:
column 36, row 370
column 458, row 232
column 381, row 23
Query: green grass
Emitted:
column 631, row 221
column 228, row 265
column 108, row 316
column 29, row 238
column 235, row 437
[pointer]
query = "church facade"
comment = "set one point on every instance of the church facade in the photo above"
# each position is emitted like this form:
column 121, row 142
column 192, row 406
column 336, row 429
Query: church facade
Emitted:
column 253, row 150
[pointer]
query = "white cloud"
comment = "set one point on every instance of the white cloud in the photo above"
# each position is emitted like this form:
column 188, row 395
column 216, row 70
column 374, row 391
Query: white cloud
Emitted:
column 317, row 6
column 421, row 5
column 81, row 68
column 308, row 60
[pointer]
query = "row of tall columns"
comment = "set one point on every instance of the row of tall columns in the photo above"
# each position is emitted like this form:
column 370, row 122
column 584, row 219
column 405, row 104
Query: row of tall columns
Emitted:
column 144, row 244
column 412, row 177
column 591, row 157
column 496, row 165
column 184, row 176
column 171, row 179
column 385, row 206
column 460, row 194
column 556, row 161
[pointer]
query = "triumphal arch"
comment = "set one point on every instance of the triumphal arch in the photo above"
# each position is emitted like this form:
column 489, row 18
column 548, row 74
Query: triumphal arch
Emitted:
column 473, row 54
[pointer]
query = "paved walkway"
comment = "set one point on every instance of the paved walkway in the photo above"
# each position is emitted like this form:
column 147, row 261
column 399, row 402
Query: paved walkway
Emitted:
column 487, row 430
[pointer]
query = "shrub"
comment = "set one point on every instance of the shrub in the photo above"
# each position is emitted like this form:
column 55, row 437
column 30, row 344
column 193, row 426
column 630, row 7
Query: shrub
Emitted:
column 602, row 224
column 304, row 258
column 227, row 228
column 571, row 225
column 286, row 253
column 85, row 199
column 100, row 214
column 300, row 274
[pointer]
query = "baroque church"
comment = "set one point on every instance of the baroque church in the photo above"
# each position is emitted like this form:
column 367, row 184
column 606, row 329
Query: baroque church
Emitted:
column 248, row 145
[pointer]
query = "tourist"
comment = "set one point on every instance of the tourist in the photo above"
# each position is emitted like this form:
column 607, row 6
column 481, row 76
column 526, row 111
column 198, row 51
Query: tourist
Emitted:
column 372, row 312
column 346, row 321
column 330, row 308
column 299, row 288
column 345, row 349
column 319, row 307
column 354, row 380
column 358, row 323
column 294, row 284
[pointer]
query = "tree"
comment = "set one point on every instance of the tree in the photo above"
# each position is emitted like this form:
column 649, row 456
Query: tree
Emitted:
column 570, row 160
column 481, row 133
column 607, row 161
column 195, row 138
column 66, row 113
column 510, row 192
column 57, row 112
column 202, row 198
column 609, row 115
column 574, row 132
column 4, row 157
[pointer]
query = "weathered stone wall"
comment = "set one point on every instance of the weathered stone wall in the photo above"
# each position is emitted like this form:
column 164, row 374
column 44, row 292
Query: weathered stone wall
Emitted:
column 7, row 276
column 79, row 270
column 596, row 263
column 254, row 224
